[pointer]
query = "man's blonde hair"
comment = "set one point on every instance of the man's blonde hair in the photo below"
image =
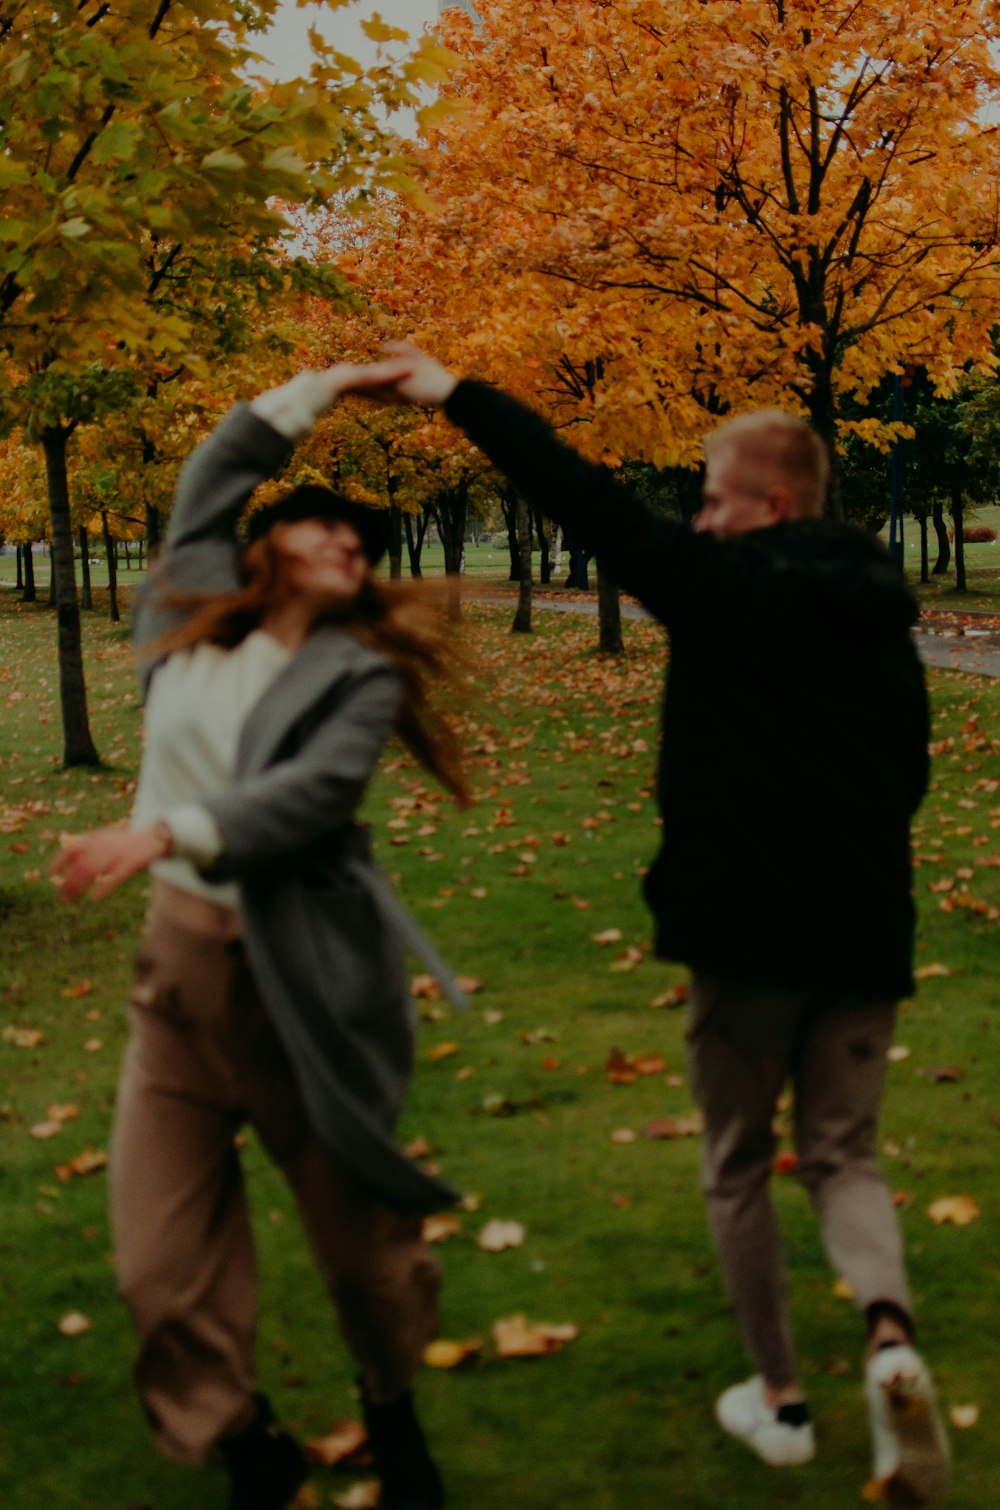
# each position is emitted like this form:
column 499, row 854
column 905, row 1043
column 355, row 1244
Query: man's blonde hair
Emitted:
column 775, row 449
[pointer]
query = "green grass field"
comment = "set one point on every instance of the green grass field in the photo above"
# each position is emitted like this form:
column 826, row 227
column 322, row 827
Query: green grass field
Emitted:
column 520, row 1112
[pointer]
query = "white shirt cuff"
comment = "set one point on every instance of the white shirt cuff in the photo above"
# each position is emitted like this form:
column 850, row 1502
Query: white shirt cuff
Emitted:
column 295, row 407
column 196, row 834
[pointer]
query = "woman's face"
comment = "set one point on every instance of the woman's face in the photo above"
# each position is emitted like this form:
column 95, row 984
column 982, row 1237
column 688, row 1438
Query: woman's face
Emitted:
column 322, row 560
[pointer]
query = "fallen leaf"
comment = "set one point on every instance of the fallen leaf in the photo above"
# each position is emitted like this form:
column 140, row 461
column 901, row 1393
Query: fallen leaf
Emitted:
column 944, row 1073
column 786, row 1162
column 964, row 1417
column 23, row 1038
column 79, row 989
column 897, row 1052
column 515, row 1338
column 623, row 1135
column 443, row 1050
column 843, row 1289
column 468, row 984
column 65, row 1113
column 932, row 972
column 498, row 1235
column 425, row 986
column 960, row 1210
column 491, row 1017
column 417, row 1148
column 446, row 1354
column 87, row 1162
column 437, row 1229
column 74, row 1324
column 607, row 936
column 43, row 1130
column 626, row 961
column 676, row 996
column 346, row 1443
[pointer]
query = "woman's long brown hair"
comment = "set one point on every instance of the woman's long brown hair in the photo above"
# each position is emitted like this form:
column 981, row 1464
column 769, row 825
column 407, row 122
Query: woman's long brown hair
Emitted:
column 401, row 620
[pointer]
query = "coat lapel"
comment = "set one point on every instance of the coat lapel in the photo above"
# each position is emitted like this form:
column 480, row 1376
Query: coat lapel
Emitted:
column 323, row 659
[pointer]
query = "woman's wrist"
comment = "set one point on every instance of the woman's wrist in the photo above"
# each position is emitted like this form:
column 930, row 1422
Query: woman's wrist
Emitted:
column 164, row 834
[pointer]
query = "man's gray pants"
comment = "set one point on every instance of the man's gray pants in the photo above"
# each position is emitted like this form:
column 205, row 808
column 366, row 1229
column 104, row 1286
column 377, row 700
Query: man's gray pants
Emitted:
column 746, row 1042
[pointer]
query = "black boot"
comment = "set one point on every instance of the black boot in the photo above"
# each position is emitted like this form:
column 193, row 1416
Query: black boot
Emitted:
column 266, row 1464
column 410, row 1480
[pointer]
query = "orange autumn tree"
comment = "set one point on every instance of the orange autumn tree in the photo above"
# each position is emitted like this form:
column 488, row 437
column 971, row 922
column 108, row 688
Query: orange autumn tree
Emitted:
column 756, row 201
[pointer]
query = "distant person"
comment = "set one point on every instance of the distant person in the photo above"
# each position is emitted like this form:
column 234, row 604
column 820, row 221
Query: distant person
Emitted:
column 270, row 986
column 794, row 756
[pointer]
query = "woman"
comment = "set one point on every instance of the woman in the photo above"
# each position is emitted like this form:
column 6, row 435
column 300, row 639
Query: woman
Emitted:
column 270, row 984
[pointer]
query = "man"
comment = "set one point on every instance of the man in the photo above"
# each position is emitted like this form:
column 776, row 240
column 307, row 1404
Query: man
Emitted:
column 794, row 755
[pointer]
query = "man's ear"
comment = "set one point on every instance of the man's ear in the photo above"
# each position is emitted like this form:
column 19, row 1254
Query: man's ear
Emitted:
column 781, row 504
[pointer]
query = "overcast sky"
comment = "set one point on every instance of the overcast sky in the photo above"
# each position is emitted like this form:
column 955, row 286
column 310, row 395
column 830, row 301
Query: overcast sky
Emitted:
column 288, row 50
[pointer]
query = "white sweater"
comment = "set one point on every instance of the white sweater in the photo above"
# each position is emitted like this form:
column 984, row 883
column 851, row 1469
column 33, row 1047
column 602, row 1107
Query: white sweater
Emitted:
column 199, row 700
column 198, row 703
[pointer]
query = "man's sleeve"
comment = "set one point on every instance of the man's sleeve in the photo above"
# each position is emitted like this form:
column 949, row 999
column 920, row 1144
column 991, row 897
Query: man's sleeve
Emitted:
column 648, row 555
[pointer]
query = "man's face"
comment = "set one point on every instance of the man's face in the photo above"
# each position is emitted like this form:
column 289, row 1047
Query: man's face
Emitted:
column 728, row 508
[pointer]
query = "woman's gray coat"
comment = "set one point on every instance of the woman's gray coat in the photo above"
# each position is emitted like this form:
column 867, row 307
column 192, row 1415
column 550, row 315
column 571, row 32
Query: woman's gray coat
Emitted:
column 323, row 932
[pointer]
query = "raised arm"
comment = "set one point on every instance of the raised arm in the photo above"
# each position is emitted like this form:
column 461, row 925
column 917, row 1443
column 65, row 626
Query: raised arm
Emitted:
column 657, row 559
column 202, row 550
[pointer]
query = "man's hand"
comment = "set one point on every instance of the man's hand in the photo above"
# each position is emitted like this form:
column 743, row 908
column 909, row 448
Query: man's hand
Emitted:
column 406, row 376
column 102, row 860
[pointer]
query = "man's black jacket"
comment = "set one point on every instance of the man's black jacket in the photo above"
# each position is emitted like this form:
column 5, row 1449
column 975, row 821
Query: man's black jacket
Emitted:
column 794, row 726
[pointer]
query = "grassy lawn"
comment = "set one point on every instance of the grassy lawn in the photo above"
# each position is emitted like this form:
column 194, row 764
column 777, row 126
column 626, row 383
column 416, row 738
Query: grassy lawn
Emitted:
column 519, row 1112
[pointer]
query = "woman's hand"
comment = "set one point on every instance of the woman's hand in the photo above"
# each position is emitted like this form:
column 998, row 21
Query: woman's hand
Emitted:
column 102, row 860
column 406, row 376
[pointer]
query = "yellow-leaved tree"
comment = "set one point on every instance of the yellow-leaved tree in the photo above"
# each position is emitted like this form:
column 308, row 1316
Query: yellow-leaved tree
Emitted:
column 144, row 169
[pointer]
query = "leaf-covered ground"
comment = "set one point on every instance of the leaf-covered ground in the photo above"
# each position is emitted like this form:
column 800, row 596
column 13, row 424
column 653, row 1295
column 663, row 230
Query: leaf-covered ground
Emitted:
column 559, row 1103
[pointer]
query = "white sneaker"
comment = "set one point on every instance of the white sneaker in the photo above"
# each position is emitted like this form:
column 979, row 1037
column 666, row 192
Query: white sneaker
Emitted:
column 911, row 1456
column 744, row 1413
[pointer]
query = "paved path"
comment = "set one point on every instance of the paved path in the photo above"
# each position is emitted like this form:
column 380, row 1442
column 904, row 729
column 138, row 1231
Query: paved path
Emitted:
column 976, row 650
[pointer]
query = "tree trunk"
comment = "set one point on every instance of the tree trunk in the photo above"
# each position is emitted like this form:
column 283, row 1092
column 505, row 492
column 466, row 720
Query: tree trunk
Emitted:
column 522, row 618
column 924, row 558
column 86, row 595
column 128, row 555
column 943, row 561
column 958, row 516
column 141, row 548
column 557, row 548
column 153, row 528
column 544, row 559
column 30, row 591
column 609, row 616
column 415, row 542
column 111, row 551
column 823, row 416
column 394, row 540
column 508, row 507
column 19, row 584
column 449, row 511
column 78, row 744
